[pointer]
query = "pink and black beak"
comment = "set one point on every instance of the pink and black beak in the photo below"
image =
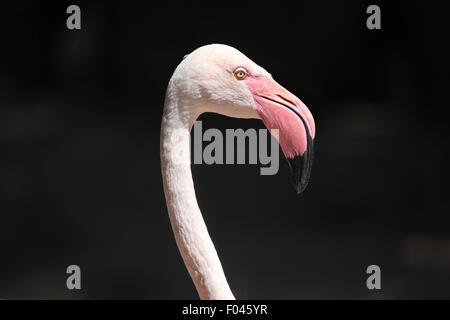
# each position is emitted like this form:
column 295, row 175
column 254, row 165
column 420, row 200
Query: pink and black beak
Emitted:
column 279, row 109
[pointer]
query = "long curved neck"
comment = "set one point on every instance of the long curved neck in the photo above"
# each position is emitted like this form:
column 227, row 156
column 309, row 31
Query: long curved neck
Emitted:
column 191, row 234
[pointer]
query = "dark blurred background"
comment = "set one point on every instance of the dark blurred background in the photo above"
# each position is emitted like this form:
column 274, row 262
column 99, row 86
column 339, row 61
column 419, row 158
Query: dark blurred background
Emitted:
column 80, row 178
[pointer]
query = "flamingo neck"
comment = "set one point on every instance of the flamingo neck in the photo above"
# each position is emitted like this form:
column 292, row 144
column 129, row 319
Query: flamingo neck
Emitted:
column 191, row 234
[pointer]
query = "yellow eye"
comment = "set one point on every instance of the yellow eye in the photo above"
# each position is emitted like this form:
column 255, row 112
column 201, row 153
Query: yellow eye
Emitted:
column 240, row 73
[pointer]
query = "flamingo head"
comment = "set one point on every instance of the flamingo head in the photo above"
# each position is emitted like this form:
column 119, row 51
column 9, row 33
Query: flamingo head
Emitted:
column 219, row 78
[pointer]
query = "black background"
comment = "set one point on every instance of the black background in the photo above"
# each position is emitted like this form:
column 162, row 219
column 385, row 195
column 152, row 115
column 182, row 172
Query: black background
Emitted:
column 80, row 175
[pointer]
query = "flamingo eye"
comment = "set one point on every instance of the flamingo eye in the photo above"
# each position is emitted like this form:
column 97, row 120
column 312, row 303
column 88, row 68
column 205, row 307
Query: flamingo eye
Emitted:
column 240, row 73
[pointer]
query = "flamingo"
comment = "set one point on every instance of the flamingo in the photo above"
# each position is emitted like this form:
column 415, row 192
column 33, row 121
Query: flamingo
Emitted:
column 220, row 79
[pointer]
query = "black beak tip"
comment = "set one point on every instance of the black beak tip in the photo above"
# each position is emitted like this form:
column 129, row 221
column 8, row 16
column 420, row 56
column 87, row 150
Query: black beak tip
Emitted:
column 299, row 188
column 300, row 170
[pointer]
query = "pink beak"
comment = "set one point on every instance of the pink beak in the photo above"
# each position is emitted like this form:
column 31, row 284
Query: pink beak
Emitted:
column 279, row 109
